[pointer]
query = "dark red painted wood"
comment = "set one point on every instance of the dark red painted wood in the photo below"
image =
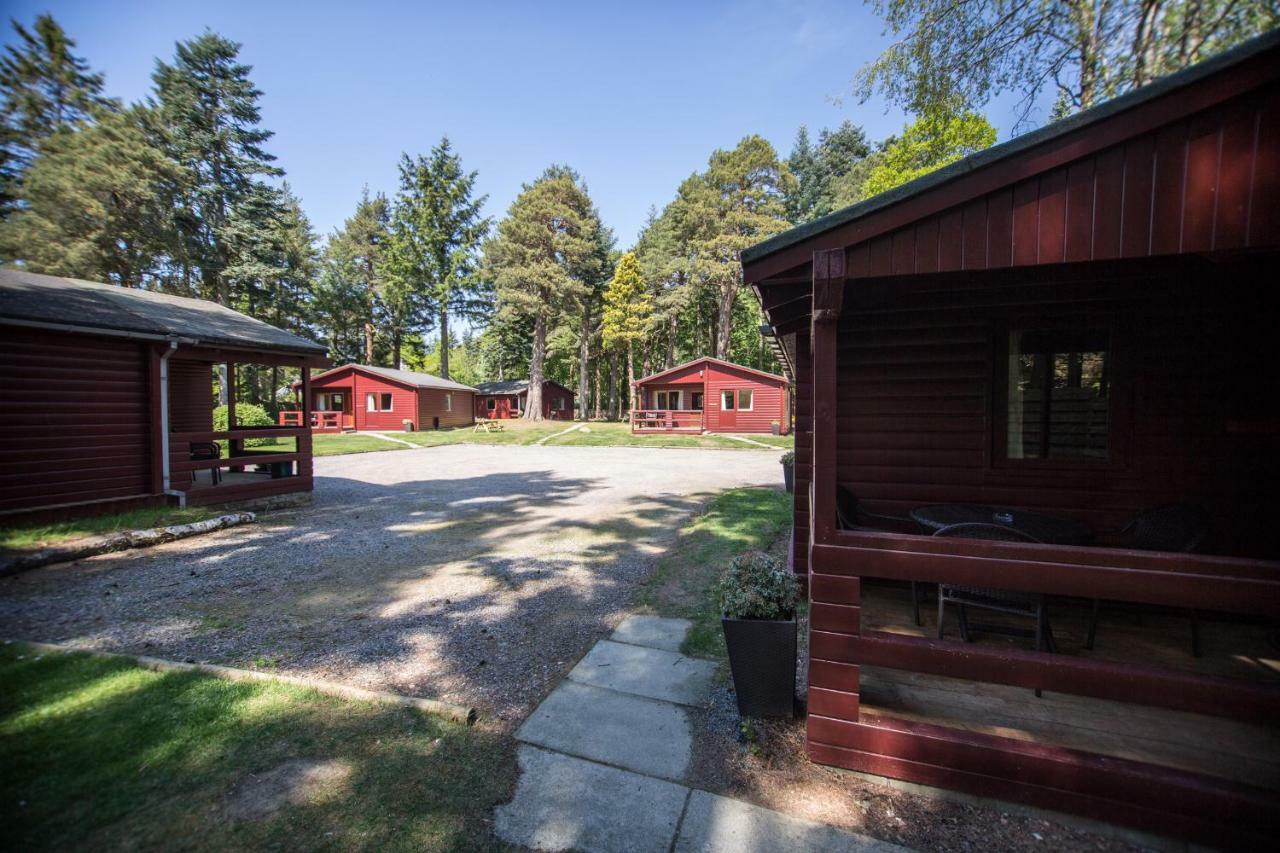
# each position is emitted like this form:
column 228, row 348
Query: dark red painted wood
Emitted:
column 1026, row 222
column 1167, row 195
column 1080, row 211
column 1109, row 190
column 1051, row 227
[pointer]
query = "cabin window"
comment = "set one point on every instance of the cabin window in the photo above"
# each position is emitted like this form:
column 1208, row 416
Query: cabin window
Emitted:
column 1058, row 387
column 378, row 402
column 696, row 405
column 491, row 404
column 558, row 404
column 745, row 400
column 448, row 402
column 668, row 400
column 726, row 400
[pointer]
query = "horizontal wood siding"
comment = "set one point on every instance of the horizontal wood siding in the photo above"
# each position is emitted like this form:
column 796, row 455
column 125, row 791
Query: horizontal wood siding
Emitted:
column 504, row 406
column 404, row 403
column 917, row 398
column 550, row 394
column 76, row 418
column 768, row 400
column 191, row 399
column 431, row 405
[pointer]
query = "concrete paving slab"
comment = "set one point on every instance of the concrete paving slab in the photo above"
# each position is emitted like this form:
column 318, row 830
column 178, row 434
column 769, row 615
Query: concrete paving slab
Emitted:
column 714, row 824
column 656, row 632
column 566, row 803
column 632, row 732
column 655, row 673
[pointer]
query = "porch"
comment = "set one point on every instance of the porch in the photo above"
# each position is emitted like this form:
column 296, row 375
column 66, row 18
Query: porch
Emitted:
column 669, row 409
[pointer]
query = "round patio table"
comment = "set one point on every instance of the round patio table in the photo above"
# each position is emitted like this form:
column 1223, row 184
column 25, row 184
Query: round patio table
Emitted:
column 1052, row 529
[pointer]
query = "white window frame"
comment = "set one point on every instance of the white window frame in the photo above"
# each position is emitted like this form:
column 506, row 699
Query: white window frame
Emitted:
column 730, row 396
column 752, row 396
column 373, row 401
column 448, row 401
column 491, row 404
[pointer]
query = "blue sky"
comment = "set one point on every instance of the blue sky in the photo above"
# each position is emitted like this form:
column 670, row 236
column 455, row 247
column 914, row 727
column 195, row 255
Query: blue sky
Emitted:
column 634, row 96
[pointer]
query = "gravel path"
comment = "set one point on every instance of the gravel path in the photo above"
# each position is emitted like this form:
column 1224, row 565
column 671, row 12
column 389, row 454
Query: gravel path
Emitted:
column 472, row 574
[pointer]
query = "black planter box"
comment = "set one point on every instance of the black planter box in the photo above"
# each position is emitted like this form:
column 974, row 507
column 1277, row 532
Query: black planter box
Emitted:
column 789, row 477
column 762, row 655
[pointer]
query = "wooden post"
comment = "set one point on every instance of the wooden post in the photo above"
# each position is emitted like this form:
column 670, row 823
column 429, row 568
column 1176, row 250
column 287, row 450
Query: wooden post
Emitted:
column 235, row 446
column 157, row 440
column 304, row 440
column 828, row 301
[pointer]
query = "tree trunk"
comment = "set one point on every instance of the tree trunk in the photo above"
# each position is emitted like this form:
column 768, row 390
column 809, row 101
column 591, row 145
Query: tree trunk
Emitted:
column 725, row 326
column 631, row 378
column 673, row 329
column 444, row 342
column 395, row 348
column 597, row 394
column 613, row 386
column 584, row 366
column 647, row 359
column 533, row 407
column 222, row 383
column 368, row 342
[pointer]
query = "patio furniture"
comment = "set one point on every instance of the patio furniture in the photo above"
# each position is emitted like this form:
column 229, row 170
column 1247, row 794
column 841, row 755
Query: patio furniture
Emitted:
column 206, row 451
column 487, row 425
column 1051, row 529
column 1177, row 527
column 851, row 516
column 1033, row 605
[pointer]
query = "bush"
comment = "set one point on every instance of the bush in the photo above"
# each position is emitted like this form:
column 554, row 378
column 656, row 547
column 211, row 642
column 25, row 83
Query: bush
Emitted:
column 248, row 416
column 789, row 458
column 758, row 586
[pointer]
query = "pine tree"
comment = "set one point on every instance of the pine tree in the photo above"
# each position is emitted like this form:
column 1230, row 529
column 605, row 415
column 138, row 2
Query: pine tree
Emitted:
column 98, row 203
column 209, row 110
column 362, row 243
column 627, row 311
column 436, row 231
column 44, row 87
column 537, row 260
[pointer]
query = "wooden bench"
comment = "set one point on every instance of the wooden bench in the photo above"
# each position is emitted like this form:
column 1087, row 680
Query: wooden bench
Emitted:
column 487, row 425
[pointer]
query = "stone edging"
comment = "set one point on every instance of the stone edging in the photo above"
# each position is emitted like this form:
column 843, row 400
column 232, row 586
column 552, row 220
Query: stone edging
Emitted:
column 458, row 713
column 122, row 541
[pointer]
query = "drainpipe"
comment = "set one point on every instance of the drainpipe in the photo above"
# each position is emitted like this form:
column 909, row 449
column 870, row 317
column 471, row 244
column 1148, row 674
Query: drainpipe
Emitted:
column 164, row 425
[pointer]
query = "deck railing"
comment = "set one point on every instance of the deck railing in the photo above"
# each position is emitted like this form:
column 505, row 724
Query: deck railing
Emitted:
column 666, row 420
column 236, row 458
column 320, row 421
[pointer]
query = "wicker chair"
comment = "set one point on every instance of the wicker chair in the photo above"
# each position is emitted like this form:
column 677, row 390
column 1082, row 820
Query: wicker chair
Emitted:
column 1177, row 527
column 206, row 451
column 1030, row 604
column 851, row 516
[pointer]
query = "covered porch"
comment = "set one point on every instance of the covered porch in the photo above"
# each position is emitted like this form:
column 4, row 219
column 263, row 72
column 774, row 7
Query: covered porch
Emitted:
column 669, row 408
column 332, row 410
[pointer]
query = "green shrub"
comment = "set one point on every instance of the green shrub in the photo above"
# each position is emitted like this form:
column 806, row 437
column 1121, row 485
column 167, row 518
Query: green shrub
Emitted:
column 248, row 416
column 758, row 586
column 789, row 458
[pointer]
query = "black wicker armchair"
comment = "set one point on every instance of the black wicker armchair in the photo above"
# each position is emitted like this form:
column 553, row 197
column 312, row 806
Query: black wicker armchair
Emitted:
column 850, row 515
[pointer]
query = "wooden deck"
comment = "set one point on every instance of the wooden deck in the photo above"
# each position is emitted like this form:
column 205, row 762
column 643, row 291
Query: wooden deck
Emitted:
column 1235, row 750
column 666, row 421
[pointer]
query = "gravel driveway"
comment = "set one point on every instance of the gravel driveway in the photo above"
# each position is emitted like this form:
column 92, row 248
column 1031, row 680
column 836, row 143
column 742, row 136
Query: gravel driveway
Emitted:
column 472, row 574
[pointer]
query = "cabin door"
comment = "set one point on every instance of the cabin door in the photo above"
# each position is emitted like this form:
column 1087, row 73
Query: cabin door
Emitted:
column 728, row 410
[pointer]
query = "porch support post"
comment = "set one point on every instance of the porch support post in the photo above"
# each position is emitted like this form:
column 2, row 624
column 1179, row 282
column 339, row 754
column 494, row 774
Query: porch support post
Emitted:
column 304, row 439
column 834, row 601
column 234, row 445
column 157, row 420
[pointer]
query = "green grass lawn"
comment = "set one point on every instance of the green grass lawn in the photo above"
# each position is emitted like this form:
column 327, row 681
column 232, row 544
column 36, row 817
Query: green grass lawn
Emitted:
column 100, row 754
column 683, row 583
column 32, row 536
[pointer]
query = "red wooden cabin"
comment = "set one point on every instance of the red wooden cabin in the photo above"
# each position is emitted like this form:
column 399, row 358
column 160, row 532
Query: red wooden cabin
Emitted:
column 710, row 395
column 509, row 398
column 109, row 401
column 1077, row 323
column 357, row 397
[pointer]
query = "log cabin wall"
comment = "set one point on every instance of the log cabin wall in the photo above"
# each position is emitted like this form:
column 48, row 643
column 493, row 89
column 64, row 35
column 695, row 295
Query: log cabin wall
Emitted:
column 804, row 455
column 76, row 418
column 921, row 364
column 431, row 405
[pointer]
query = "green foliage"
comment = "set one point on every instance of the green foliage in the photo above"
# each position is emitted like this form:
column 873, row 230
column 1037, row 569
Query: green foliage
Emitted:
column 818, row 168
column 98, row 203
column 789, row 458
column 928, row 143
column 757, row 586
column 627, row 304
column 44, row 87
column 435, row 234
column 248, row 416
column 1087, row 51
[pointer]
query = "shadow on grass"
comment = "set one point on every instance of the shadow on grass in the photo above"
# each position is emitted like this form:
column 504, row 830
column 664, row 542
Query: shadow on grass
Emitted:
column 100, row 754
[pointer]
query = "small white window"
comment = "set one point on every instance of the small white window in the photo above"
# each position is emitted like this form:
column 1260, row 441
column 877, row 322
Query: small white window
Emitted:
column 491, row 403
column 744, row 400
column 378, row 402
column 726, row 400
column 559, row 404
column 448, row 402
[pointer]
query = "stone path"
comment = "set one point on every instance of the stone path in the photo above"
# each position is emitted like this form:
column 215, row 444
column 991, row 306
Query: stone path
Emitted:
column 603, row 757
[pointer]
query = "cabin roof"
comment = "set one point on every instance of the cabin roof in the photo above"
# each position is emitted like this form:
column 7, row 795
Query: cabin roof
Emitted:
column 1080, row 121
column 514, row 386
column 404, row 377
column 39, row 300
column 706, row 359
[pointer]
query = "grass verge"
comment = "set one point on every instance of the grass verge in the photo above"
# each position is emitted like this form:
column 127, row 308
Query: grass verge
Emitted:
column 101, row 754
column 683, row 584
column 32, row 536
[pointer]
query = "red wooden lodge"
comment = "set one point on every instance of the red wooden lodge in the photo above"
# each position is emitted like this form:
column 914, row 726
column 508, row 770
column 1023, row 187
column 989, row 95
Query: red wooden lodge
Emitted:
column 509, row 398
column 710, row 395
column 356, row 397
column 109, row 400
column 1023, row 354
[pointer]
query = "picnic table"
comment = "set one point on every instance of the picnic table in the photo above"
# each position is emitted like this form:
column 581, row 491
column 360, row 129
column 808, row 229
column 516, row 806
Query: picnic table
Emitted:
column 487, row 425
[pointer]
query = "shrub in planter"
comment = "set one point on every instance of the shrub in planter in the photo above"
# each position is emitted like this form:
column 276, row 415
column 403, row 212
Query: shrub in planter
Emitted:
column 248, row 416
column 789, row 470
column 758, row 599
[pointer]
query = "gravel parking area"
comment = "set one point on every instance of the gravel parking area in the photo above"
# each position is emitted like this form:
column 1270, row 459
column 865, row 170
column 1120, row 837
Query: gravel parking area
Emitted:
column 477, row 575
